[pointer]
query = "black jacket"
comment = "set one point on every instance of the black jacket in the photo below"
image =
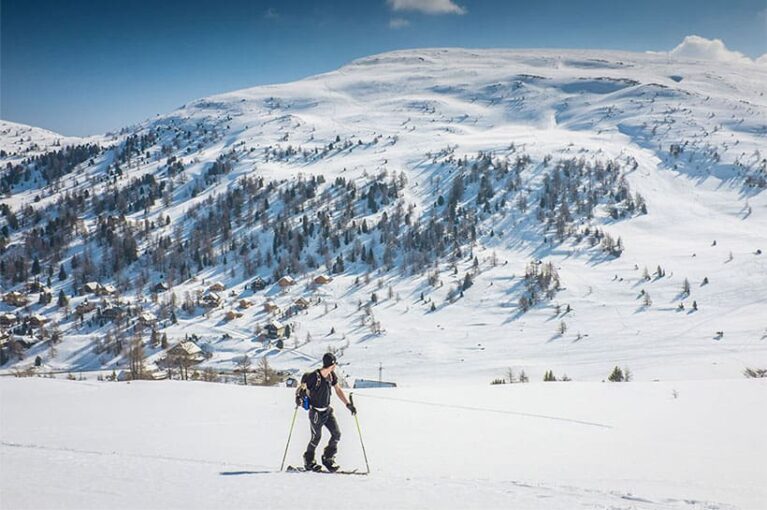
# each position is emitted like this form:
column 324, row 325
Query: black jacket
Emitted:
column 318, row 387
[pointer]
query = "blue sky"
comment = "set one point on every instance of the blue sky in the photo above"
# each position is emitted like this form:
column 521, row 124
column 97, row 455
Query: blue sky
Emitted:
column 82, row 66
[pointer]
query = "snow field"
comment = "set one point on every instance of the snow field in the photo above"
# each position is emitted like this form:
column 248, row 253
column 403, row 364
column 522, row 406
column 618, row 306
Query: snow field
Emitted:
column 687, row 444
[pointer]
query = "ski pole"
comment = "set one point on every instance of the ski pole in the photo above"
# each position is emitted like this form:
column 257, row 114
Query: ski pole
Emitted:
column 292, row 422
column 359, row 431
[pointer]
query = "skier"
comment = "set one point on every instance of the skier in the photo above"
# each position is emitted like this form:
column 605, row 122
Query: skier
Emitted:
column 316, row 386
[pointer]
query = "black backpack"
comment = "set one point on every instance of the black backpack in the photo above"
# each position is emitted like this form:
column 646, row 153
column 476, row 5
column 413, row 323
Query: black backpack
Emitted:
column 302, row 392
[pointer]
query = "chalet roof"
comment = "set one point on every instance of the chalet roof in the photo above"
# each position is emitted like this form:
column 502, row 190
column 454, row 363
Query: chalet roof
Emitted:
column 113, row 310
column 147, row 317
column 187, row 346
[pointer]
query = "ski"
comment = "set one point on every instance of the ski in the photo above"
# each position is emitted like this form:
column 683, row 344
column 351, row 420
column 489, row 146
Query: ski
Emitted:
column 294, row 469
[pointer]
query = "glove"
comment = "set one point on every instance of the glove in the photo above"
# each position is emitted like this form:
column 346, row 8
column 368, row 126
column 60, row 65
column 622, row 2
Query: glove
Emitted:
column 351, row 408
column 300, row 393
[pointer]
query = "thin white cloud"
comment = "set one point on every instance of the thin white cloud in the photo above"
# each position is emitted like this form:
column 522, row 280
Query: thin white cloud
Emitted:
column 271, row 13
column 762, row 61
column 427, row 6
column 762, row 15
column 700, row 48
column 396, row 23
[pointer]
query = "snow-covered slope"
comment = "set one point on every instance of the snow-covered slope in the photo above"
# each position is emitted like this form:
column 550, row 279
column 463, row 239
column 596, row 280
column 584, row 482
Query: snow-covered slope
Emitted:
column 688, row 136
column 641, row 446
column 19, row 141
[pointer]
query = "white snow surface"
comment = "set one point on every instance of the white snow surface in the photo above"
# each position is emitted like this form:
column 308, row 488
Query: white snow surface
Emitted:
column 684, row 445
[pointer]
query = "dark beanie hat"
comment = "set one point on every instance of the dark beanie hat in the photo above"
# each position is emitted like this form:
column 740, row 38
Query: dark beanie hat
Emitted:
column 328, row 359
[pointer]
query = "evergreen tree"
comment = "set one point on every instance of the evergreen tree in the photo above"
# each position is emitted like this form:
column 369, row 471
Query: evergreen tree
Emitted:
column 616, row 375
column 647, row 300
column 338, row 266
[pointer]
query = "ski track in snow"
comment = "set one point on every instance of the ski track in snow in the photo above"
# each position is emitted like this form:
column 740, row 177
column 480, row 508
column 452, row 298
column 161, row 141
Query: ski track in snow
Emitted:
column 412, row 491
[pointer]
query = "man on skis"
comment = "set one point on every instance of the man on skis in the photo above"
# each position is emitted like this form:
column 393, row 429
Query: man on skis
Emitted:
column 317, row 386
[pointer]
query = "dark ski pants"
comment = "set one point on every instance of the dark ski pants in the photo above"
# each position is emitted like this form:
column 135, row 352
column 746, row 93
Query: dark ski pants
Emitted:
column 317, row 420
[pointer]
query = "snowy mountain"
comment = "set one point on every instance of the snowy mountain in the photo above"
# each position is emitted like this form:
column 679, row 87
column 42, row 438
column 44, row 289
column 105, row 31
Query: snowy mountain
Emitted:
column 477, row 210
column 19, row 141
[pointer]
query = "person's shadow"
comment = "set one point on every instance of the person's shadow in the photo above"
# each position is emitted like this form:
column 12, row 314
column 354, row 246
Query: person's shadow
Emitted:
column 237, row 473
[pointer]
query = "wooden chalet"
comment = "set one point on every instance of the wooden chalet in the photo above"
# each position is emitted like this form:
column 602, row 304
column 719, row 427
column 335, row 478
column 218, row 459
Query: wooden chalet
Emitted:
column 286, row 281
column 257, row 284
column 37, row 320
column 275, row 329
column 113, row 312
column 232, row 314
column 217, row 287
column 271, row 307
column 301, row 304
column 160, row 287
column 187, row 350
column 85, row 307
column 147, row 319
column 15, row 298
column 8, row 319
column 90, row 288
column 211, row 300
